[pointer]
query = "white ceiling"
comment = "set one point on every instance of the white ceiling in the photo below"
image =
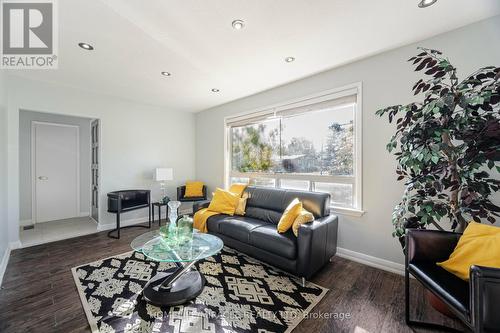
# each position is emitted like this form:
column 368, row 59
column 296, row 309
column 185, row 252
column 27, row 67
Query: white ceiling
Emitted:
column 135, row 40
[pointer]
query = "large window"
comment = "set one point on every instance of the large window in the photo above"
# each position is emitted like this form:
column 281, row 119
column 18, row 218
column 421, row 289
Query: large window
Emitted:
column 308, row 144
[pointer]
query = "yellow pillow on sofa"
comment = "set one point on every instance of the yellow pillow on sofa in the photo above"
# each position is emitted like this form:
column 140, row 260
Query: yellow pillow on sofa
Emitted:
column 193, row 189
column 238, row 189
column 291, row 212
column 242, row 205
column 304, row 217
column 224, row 202
column 479, row 245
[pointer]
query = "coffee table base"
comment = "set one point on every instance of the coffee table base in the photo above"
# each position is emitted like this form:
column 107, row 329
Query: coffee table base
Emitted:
column 185, row 288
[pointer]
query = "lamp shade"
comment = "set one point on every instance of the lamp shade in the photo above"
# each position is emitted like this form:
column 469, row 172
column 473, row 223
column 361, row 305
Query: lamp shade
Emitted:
column 162, row 174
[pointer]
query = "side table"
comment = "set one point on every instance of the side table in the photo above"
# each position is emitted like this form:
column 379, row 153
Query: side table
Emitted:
column 159, row 205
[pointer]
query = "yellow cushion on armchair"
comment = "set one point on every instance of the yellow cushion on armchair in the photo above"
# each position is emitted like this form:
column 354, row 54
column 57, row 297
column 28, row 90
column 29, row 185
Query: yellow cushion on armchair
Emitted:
column 479, row 245
column 193, row 189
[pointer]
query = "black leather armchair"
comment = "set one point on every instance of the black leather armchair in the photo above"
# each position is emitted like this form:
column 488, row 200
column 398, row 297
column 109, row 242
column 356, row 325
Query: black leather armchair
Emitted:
column 256, row 233
column 181, row 192
column 475, row 302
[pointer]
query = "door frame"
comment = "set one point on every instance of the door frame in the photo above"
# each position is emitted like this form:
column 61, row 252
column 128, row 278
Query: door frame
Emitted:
column 98, row 170
column 33, row 166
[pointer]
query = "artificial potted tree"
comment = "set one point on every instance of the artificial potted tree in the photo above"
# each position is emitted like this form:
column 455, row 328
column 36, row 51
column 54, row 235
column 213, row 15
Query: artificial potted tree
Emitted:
column 447, row 147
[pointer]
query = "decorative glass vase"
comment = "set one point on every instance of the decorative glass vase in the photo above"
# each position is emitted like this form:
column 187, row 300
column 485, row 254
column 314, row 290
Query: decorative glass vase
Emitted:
column 172, row 215
column 169, row 234
column 185, row 229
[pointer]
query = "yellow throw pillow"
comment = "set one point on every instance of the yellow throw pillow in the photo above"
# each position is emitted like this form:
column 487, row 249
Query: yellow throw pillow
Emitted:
column 291, row 212
column 224, row 202
column 479, row 245
column 304, row 217
column 194, row 189
column 242, row 204
column 238, row 189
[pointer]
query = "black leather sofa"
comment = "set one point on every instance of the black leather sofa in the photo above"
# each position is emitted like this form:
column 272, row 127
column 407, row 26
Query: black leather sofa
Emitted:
column 256, row 235
column 474, row 302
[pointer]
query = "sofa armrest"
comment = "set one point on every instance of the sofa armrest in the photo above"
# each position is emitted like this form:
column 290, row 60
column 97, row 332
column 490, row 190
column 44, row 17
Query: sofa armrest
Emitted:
column 200, row 205
column 484, row 298
column 317, row 243
column 430, row 245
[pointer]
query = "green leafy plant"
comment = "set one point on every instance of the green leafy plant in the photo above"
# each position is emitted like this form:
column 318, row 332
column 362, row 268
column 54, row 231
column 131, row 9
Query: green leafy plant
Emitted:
column 446, row 147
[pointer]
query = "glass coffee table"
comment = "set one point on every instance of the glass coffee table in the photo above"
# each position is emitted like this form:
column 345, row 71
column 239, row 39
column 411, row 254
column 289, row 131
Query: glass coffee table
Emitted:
column 184, row 282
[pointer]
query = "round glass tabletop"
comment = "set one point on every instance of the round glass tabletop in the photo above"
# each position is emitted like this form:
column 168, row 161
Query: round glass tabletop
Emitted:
column 156, row 247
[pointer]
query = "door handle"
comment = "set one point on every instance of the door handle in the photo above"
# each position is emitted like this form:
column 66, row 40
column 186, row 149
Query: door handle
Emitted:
column 43, row 178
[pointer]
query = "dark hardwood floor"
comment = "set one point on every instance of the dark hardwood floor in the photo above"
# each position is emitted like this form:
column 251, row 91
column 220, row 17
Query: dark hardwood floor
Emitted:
column 39, row 295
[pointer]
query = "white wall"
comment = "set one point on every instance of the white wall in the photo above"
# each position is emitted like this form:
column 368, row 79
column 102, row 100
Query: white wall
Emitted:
column 387, row 79
column 135, row 139
column 4, row 242
column 25, row 179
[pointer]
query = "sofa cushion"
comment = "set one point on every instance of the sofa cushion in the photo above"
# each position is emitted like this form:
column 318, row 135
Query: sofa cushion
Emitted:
column 278, row 199
column 266, row 237
column 266, row 198
column 314, row 202
column 213, row 222
column 266, row 215
column 239, row 227
column 449, row 287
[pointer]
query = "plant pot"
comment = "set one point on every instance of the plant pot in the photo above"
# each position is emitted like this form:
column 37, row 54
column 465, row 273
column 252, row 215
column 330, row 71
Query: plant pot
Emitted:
column 439, row 305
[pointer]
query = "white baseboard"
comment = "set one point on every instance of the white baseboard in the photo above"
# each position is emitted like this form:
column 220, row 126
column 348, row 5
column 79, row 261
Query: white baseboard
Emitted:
column 6, row 256
column 84, row 214
column 3, row 264
column 365, row 259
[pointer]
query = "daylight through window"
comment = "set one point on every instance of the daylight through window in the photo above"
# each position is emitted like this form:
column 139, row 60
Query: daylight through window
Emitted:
column 312, row 144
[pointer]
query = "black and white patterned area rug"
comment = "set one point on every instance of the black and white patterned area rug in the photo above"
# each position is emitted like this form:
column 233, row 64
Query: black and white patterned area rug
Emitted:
column 242, row 294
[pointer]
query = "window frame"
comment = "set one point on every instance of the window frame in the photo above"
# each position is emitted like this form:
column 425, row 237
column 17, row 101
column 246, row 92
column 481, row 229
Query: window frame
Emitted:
column 327, row 95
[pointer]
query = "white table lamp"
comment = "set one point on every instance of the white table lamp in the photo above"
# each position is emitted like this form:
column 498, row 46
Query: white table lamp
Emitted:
column 162, row 175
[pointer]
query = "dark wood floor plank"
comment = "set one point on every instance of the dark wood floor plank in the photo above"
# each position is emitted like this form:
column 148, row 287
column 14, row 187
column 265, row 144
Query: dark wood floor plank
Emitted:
column 39, row 294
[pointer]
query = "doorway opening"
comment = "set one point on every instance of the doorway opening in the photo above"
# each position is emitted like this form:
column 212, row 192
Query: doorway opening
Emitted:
column 59, row 176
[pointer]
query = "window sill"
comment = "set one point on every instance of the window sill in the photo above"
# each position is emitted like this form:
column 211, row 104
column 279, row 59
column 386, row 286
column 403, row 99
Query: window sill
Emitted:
column 347, row 211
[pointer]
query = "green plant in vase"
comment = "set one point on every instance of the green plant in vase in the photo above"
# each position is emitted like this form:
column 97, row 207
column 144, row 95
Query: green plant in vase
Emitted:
column 447, row 147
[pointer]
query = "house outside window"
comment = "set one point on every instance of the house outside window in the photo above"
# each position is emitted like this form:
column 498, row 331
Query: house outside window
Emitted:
column 312, row 143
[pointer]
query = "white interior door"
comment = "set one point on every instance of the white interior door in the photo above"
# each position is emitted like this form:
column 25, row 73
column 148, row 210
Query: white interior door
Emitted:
column 56, row 171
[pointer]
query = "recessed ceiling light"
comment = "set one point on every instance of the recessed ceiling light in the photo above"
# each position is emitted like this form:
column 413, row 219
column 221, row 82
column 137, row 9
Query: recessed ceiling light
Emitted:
column 166, row 73
column 86, row 46
column 215, row 90
column 426, row 3
column 289, row 59
column 238, row 24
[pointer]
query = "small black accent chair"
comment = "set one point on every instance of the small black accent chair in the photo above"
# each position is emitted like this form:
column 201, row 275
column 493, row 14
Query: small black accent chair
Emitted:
column 181, row 195
column 476, row 303
column 126, row 201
